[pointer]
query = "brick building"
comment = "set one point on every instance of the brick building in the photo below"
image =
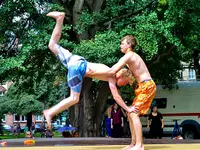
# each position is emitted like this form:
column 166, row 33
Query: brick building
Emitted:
column 11, row 119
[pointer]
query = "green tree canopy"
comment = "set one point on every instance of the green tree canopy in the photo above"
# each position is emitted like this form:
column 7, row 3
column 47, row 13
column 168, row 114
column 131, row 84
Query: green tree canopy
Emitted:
column 167, row 31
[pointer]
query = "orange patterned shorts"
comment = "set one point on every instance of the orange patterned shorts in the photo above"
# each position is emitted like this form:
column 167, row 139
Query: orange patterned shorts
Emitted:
column 145, row 93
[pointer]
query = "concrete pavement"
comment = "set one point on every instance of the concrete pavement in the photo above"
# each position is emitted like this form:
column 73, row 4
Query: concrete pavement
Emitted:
column 92, row 141
column 114, row 147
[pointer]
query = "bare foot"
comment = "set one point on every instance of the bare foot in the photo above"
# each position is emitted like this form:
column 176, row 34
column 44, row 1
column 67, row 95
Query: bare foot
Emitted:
column 48, row 118
column 136, row 147
column 56, row 15
column 128, row 147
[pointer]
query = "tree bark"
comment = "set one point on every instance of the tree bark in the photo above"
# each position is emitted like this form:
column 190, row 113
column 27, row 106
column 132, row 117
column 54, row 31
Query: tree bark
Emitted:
column 29, row 120
column 157, row 58
column 88, row 108
column 92, row 6
column 77, row 10
column 196, row 64
column 80, row 114
column 87, row 115
column 104, row 91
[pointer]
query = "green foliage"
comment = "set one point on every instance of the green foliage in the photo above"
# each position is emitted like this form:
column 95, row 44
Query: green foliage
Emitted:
column 33, row 68
column 103, row 45
column 158, row 26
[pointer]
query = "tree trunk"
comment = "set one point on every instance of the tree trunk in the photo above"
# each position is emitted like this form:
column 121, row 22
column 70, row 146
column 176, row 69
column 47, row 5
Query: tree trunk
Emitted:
column 77, row 9
column 104, row 91
column 196, row 64
column 87, row 115
column 88, row 108
column 92, row 6
column 79, row 111
column 29, row 120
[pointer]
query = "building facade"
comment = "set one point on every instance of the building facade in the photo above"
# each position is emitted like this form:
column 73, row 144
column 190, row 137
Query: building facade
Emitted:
column 11, row 119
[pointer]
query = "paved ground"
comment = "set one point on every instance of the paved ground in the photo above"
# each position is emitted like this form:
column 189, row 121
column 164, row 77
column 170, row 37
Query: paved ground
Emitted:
column 92, row 141
column 114, row 147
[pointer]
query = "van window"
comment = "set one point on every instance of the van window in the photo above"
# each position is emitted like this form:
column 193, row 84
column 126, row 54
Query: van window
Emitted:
column 159, row 102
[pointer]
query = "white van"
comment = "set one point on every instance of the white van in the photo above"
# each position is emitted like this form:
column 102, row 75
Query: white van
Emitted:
column 181, row 104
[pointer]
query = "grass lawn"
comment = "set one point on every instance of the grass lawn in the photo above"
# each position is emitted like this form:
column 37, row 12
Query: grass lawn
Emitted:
column 8, row 136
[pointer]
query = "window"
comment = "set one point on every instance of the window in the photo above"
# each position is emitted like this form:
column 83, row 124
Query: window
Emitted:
column 3, row 118
column 38, row 118
column 23, row 118
column 159, row 102
column 191, row 74
column 16, row 118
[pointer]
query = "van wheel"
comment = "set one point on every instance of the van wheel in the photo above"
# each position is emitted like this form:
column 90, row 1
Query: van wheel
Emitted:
column 189, row 133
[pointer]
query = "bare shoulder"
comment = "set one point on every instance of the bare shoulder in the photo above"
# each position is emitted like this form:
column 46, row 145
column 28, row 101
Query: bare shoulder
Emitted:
column 132, row 56
column 128, row 56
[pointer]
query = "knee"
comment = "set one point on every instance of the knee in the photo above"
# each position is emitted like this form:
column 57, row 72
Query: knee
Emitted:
column 51, row 45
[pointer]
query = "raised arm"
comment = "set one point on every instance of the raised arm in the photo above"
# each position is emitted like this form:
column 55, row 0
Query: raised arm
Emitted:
column 120, row 64
column 115, row 68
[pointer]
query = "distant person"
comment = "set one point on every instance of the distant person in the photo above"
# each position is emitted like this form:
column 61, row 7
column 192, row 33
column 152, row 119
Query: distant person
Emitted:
column 33, row 129
column 49, row 133
column 13, row 129
column 18, row 129
column 25, row 129
column 68, row 122
column 108, row 120
column 42, row 129
column 155, row 123
column 126, row 130
column 27, row 133
column 117, row 121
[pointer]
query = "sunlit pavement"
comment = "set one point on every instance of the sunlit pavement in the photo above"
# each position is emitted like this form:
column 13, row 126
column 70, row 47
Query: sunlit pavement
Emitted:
column 112, row 147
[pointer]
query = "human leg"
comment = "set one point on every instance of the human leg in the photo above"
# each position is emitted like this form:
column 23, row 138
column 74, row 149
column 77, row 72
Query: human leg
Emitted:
column 132, row 134
column 61, row 106
column 108, row 127
column 137, row 126
column 145, row 93
column 55, row 37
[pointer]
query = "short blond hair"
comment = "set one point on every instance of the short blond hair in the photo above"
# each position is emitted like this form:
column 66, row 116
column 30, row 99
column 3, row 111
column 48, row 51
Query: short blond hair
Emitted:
column 130, row 40
column 127, row 74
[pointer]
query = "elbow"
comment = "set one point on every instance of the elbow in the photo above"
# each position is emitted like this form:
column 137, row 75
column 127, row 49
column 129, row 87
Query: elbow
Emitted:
column 112, row 72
